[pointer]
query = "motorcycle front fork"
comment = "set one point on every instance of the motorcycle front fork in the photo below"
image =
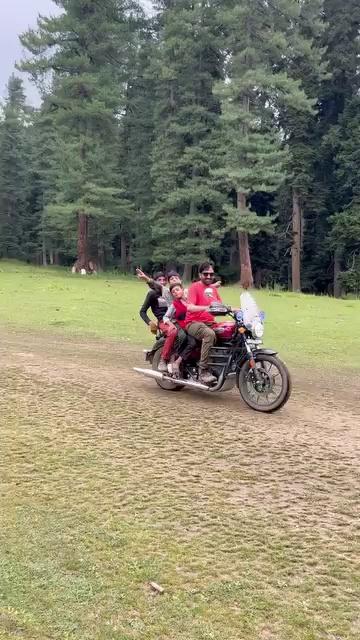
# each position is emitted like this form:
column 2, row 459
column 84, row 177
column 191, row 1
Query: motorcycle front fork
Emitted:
column 252, row 364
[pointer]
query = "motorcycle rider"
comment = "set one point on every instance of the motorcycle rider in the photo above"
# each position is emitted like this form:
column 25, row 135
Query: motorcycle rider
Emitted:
column 176, row 313
column 162, row 293
column 199, row 323
column 172, row 277
column 159, row 306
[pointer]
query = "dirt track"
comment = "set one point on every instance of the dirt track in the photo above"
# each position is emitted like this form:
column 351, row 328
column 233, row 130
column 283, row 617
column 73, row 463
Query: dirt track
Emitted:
column 314, row 439
column 271, row 499
column 316, row 394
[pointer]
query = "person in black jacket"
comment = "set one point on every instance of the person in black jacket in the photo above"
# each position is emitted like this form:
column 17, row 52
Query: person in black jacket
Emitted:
column 159, row 306
column 156, row 302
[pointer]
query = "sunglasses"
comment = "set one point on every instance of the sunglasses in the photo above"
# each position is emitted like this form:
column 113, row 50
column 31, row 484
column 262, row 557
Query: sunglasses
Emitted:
column 208, row 273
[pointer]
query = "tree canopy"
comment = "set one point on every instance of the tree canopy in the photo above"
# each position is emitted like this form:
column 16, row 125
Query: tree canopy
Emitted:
column 225, row 130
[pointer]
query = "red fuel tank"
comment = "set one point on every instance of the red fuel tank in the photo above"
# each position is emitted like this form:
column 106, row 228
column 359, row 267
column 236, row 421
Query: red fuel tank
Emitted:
column 225, row 330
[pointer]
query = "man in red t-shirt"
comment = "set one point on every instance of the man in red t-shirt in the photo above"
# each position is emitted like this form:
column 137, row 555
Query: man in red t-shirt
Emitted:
column 199, row 323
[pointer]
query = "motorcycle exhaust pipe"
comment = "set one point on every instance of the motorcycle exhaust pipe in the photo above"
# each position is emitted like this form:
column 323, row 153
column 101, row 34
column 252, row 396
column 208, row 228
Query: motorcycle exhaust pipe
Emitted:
column 191, row 384
column 149, row 373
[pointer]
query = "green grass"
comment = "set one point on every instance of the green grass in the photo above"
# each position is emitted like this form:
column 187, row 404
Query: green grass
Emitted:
column 307, row 330
column 249, row 522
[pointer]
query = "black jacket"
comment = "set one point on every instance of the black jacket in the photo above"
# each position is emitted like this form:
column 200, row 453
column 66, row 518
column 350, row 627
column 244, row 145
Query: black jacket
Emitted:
column 156, row 303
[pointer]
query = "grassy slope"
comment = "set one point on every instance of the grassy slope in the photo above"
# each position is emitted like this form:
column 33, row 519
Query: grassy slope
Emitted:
column 304, row 328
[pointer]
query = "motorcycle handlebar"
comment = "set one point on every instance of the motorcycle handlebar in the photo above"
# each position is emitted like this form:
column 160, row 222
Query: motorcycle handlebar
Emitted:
column 221, row 310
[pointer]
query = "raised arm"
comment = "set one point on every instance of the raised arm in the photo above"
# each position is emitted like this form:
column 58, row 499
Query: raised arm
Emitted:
column 142, row 276
column 149, row 281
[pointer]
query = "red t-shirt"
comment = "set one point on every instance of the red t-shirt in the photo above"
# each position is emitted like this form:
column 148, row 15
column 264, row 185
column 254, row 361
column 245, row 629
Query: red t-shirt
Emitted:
column 201, row 295
column 180, row 312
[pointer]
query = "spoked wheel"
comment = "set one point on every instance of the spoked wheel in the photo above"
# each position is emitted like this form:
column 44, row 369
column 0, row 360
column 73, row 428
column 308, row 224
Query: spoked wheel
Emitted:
column 270, row 389
column 165, row 383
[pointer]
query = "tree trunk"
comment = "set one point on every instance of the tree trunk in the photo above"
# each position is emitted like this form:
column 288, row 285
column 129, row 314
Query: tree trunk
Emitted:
column 101, row 256
column 234, row 252
column 296, row 242
column 337, row 270
column 187, row 274
column 82, row 244
column 246, row 275
column 129, row 255
column 44, row 253
column 123, row 253
column 258, row 278
column 51, row 256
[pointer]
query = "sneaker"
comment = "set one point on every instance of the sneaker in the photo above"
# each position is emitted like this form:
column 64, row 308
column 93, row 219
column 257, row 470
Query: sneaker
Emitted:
column 162, row 366
column 206, row 377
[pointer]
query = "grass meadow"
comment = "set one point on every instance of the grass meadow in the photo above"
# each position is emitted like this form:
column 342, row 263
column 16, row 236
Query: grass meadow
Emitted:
column 311, row 331
column 249, row 522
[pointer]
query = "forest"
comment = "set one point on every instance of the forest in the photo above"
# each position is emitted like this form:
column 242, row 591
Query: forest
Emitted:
column 222, row 129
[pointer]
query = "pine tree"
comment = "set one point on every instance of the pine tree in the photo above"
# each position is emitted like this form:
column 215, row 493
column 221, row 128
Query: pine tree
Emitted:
column 31, row 227
column 137, row 139
column 342, row 50
column 255, row 89
column 186, row 217
column 87, row 48
column 13, row 171
column 45, row 174
column 345, row 232
column 303, row 63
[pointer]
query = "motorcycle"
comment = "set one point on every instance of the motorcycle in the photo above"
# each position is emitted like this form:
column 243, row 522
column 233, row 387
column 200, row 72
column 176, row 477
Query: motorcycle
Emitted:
column 237, row 359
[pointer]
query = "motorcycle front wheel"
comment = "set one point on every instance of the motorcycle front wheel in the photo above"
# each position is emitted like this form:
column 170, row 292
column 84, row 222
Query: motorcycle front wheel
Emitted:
column 267, row 390
column 164, row 383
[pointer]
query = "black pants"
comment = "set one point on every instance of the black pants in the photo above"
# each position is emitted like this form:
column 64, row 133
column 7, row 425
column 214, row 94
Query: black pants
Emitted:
column 185, row 344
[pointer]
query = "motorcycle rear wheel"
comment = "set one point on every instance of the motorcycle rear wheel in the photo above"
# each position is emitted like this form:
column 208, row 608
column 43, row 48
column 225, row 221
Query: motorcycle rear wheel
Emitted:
column 262, row 396
column 165, row 383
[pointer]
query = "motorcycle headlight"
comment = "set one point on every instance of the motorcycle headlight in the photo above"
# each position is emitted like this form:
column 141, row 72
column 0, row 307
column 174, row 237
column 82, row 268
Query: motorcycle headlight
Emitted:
column 258, row 329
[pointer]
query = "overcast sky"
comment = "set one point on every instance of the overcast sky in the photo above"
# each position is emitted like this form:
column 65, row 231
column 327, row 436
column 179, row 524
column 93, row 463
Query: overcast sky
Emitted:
column 17, row 16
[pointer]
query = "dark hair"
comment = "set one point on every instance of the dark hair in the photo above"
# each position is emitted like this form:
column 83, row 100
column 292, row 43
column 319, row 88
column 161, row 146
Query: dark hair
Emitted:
column 175, row 284
column 205, row 266
column 172, row 274
column 158, row 274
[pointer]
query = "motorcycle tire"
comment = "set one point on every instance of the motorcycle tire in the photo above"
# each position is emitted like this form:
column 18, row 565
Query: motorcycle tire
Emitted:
column 164, row 384
column 284, row 394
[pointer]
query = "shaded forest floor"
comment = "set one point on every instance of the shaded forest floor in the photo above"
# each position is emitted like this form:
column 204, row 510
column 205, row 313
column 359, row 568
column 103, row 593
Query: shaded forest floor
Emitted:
column 249, row 522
